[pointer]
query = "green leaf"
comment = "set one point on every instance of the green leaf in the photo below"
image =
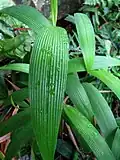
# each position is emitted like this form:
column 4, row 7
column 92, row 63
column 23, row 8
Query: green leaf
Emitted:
column 36, row 151
column 109, row 79
column 70, row 18
column 19, row 137
column 65, row 149
column 6, row 3
column 101, row 62
column 54, row 11
column 14, row 122
column 76, row 65
column 3, row 87
column 17, row 96
column 21, row 67
column 77, row 94
column 116, row 145
column 86, row 38
column 28, row 15
column 118, row 121
column 8, row 45
column 102, row 111
column 89, row 133
column 48, row 74
column 1, row 156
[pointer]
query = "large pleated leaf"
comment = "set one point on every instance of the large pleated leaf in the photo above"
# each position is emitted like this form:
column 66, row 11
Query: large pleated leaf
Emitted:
column 102, row 111
column 48, row 74
column 109, row 79
column 21, row 67
column 78, row 95
column 86, row 38
column 89, row 133
column 116, row 145
column 28, row 15
column 54, row 11
column 16, row 121
column 19, row 137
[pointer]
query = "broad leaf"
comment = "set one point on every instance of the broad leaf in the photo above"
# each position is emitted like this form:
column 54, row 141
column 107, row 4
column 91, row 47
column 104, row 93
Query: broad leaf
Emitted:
column 48, row 74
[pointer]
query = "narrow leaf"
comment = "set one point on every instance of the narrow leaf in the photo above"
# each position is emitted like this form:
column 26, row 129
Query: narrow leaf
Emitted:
column 116, row 145
column 48, row 74
column 21, row 67
column 86, row 38
column 118, row 121
column 78, row 96
column 74, row 64
column 102, row 111
column 101, row 62
column 2, row 156
column 54, row 11
column 109, row 79
column 87, row 131
column 28, row 15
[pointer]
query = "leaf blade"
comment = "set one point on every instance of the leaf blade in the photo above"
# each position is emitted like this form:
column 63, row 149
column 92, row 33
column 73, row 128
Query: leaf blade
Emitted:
column 89, row 134
column 116, row 144
column 31, row 18
column 14, row 122
column 109, row 79
column 102, row 111
column 48, row 74
column 86, row 38
column 21, row 67
column 77, row 94
column 54, row 11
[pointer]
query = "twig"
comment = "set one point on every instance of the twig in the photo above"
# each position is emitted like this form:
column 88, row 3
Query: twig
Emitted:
column 72, row 137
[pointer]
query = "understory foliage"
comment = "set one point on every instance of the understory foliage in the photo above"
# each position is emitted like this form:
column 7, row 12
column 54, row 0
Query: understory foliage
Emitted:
column 60, row 87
